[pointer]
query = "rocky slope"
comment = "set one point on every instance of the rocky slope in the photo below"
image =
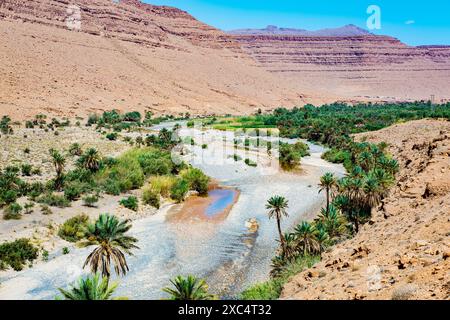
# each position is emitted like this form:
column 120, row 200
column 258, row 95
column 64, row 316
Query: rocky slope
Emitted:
column 359, row 66
column 80, row 56
column 404, row 252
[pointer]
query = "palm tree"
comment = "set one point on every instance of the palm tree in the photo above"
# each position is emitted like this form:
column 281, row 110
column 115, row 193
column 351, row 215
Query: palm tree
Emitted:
column 277, row 206
column 322, row 238
column 328, row 183
column 332, row 222
column 90, row 288
column 306, row 238
column 109, row 234
column 373, row 192
column 291, row 247
column 189, row 288
column 90, row 160
column 59, row 161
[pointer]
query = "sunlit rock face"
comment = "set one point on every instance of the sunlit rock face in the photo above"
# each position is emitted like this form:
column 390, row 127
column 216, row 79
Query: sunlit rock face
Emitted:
column 351, row 62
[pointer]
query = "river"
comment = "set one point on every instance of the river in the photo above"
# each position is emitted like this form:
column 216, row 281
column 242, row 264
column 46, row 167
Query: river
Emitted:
column 224, row 252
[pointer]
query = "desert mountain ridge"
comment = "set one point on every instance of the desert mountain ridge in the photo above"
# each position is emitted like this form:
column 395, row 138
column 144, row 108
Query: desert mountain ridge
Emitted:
column 81, row 56
column 344, row 31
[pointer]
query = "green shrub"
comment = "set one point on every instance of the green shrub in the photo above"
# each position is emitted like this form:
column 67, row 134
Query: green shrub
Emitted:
column 130, row 203
column 73, row 191
column 151, row 197
column 90, row 201
column 204, row 146
column 154, row 162
column 179, row 190
column 162, row 185
column 13, row 212
column 26, row 169
column 65, row 250
column 9, row 196
column 17, row 253
column 196, row 180
column 112, row 136
column 73, row 229
column 127, row 174
column 29, row 207
column 54, row 200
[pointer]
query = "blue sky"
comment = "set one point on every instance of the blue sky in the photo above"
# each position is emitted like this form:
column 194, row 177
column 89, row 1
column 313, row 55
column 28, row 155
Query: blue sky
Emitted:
column 414, row 22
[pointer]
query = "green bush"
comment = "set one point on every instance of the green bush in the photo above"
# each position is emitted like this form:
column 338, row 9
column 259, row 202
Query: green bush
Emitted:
column 73, row 229
column 112, row 136
column 155, row 162
column 162, row 185
column 90, row 201
column 8, row 197
column 13, row 212
column 196, row 180
column 130, row 203
column 54, row 200
column 17, row 253
column 65, row 250
column 26, row 169
column 151, row 197
column 73, row 191
column 179, row 190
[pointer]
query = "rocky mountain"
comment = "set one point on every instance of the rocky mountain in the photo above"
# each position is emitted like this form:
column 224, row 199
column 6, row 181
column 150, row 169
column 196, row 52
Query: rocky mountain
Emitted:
column 355, row 67
column 74, row 57
column 81, row 56
column 345, row 31
column 404, row 251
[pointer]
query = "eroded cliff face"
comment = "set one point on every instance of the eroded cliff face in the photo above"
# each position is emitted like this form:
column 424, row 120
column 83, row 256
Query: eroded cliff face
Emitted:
column 82, row 56
column 404, row 252
column 129, row 20
column 355, row 67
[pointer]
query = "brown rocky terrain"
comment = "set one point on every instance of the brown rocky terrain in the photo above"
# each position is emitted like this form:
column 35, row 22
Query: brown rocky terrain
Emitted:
column 404, row 252
column 126, row 55
column 353, row 67
column 75, row 57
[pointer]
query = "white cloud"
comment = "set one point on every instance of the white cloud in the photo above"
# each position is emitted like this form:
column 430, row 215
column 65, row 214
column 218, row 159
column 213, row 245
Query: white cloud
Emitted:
column 410, row 22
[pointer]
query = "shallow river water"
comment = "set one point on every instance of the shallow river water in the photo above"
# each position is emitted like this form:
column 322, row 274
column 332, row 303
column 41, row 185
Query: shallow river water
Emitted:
column 224, row 252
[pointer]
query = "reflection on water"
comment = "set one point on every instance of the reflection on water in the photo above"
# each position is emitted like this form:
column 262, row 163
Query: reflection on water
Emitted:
column 222, row 198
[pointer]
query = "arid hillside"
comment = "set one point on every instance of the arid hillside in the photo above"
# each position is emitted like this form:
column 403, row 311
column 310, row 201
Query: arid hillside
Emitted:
column 404, row 252
column 75, row 57
column 352, row 65
column 65, row 60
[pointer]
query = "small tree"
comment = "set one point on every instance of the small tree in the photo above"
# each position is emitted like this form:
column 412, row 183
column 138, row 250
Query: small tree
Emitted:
column 277, row 206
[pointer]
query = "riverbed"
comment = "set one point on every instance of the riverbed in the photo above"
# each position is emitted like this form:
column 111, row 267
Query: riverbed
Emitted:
column 223, row 251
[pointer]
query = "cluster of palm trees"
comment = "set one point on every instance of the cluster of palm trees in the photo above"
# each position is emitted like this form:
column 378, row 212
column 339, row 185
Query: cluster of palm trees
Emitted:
column 89, row 160
column 349, row 203
column 307, row 238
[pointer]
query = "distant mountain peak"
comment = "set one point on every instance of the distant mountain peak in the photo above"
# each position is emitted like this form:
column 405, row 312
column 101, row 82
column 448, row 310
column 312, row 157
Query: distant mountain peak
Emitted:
column 344, row 31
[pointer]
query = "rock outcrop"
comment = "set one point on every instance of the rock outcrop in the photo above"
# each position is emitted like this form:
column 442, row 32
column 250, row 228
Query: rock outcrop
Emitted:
column 403, row 253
